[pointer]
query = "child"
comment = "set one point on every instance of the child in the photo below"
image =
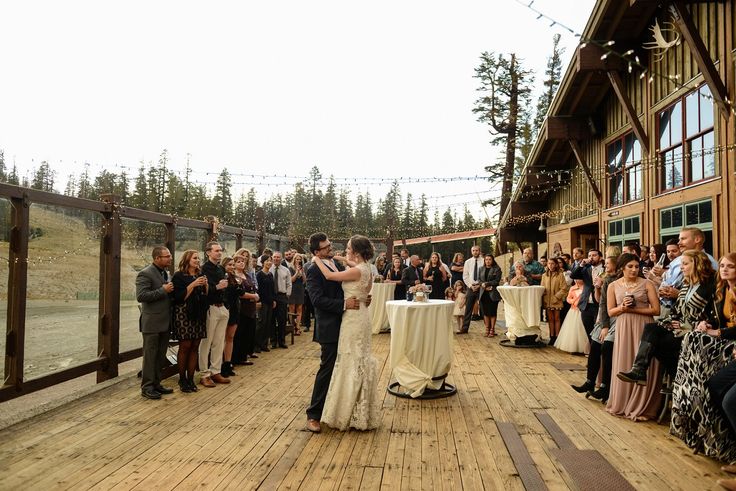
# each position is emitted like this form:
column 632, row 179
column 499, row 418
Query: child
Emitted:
column 459, row 297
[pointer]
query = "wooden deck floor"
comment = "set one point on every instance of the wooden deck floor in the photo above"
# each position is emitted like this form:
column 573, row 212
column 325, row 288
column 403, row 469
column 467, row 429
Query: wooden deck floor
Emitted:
column 251, row 433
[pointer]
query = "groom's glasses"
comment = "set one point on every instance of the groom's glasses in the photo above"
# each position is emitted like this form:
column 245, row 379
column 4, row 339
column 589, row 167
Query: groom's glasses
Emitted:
column 325, row 246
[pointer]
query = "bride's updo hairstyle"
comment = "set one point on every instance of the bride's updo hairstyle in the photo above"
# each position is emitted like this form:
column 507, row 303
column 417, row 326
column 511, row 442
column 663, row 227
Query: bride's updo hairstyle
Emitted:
column 362, row 246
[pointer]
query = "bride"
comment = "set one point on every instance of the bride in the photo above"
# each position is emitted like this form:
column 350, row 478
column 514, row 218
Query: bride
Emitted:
column 352, row 400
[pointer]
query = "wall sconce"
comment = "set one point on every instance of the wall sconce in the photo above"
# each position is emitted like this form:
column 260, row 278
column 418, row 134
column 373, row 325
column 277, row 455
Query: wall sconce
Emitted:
column 542, row 226
column 564, row 221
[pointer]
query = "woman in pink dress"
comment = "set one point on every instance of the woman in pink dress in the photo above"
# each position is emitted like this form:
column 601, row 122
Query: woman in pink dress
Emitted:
column 633, row 301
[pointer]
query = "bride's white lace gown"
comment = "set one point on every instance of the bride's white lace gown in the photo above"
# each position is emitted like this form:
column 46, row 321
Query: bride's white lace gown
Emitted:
column 352, row 399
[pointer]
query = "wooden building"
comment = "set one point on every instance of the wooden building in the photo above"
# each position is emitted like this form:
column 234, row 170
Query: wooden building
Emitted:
column 638, row 142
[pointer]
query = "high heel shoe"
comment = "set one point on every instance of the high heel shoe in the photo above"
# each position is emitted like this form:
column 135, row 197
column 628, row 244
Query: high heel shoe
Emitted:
column 492, row 334
column 184, row 385
column 488, row 332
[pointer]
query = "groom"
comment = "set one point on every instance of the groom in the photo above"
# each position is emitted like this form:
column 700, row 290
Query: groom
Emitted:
column 329, row 305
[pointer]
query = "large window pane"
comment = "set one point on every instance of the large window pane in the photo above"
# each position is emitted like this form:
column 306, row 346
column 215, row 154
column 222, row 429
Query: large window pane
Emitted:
column 628, row 151
column 227, row 241
column 677, row 176
column 676, row 124
column 706, row 108
column 691, row 215
column 709, row 155
column 664, row 129
column 139, row 239
column 677, row 217
column 666, row 218
column 191, row 238
column 692, row 113
column 63, row 289
column 696, row 159
column 705, row 212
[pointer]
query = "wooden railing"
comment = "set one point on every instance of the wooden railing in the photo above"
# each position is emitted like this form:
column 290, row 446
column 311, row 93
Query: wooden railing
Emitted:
column 108, row 344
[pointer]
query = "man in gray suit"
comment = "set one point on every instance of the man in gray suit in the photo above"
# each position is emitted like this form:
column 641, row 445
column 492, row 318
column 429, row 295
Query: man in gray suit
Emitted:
column 152, row 289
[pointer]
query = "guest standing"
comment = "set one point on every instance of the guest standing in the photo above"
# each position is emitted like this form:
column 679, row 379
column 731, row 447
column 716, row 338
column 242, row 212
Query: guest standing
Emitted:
column 555, row 292
column 211, row 348
column 471, row 271
column 633, row 301
column 190, row 316
column 489, row 277
column 456, row 268
column 265, row 327
column 435, row 275
column 296, row 299
column 232, row 302
column 281, row 290
column 152, row 287
column 393, row 275
column 244, row 342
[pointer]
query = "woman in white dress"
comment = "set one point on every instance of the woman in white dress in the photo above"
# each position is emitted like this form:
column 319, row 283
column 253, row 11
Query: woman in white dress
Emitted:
column 572, row 337
column 352, row 399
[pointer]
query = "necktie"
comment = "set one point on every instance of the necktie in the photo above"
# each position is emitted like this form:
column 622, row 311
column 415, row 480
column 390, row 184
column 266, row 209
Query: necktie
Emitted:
column 165, row 276
column 475, row 273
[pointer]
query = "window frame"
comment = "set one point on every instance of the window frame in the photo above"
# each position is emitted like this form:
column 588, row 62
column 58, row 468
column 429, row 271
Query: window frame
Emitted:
column 624, row 238
column 625, row 169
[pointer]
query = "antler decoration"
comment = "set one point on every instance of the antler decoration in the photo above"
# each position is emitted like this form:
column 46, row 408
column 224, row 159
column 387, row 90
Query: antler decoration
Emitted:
column 660, row 45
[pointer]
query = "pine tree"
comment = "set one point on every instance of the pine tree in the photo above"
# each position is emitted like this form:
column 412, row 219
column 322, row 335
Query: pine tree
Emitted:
column 71, row 186
column 407, row 220
column 551, row 82
column 3, row 170
column 84, row 189
column 13, row 175
column 448, row 222
column 505, row 86
column 421, row 218
column 139, row 199
column 43, row 178
column 223, row 201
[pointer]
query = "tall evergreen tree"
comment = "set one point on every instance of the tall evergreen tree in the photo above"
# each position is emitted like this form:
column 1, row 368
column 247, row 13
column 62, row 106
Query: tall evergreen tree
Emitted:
column 13, row 175
column 223, row 201
column 505, row 86
column 3, row 170
column 43, row 177
column 551, row 82
column 84, row 188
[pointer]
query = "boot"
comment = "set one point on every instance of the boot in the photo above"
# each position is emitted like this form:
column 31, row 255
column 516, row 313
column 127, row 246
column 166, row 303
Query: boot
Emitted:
column 227, row 369
column 192, row 385
column 601, row 394
column 587, row 386
column 638, row 372
column 184, row 385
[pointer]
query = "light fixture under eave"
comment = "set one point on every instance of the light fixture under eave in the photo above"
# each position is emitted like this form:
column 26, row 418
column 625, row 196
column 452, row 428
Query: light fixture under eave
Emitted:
column 563, row 221
column 542, row 226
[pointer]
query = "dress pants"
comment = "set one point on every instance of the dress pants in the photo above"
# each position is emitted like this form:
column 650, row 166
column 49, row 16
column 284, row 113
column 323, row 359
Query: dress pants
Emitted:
column 155, row 345
column 597, row 351
column 470, row 298
column 722, row 387
column 665, row 345
column 306, row 310
column 211, row 347
column 589, row 314
column 322, row 380
column 243, row 343
column 279, row 333
column 265, row 326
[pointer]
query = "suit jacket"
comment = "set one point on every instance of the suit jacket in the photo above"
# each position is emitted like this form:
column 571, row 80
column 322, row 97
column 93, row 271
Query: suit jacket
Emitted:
column 328, row 302
column 584, row 273
column 155, row 303
column 409, row 275
column 494, row 279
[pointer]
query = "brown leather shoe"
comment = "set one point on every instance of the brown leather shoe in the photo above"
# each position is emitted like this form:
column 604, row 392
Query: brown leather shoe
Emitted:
column 313, row 426
column 731, row 468
column 219, row 379
column 728, row 484
column 207, row 382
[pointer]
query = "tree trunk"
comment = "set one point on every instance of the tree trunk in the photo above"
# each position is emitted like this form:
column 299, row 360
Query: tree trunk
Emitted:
column 508, row 171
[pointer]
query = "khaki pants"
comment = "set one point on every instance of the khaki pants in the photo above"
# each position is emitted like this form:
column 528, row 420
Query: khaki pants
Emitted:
column 210, row 348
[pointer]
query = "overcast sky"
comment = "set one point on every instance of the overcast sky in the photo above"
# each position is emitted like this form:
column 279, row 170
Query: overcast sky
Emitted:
column 359, row 89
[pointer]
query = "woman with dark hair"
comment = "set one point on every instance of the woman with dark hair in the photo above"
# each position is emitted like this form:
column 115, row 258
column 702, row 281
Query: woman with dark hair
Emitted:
column 456, row 268
column 296, row 299
column 266, row 325
column 352, row 399
column 190, row 316
column 244, row 342
column 489, row 277
column 633, row 301
column 232, row 302
column 393, row 275
column 697, row 416
column 555, row 292
column 435, row 276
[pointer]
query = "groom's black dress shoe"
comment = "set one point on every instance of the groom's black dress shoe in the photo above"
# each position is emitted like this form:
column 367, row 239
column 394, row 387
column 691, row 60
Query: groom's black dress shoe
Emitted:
column 151, row 394
column 163, row 390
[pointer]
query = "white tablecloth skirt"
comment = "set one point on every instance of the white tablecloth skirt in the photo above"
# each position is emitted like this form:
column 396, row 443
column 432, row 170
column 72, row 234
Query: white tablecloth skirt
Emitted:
column 521, row 306
column 380, row 294
column 421, row 342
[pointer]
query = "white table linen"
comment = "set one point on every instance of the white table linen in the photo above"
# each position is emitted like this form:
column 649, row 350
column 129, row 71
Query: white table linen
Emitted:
column 522, row 306
column 380, row 294
column 421, row 343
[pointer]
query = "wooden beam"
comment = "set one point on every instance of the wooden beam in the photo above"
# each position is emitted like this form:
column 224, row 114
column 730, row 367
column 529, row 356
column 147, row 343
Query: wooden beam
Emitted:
column 108, row 337
column 566, row 127
column 618, row 88
column 684, row 21
column 581, row 161
column 590, row 58
column 17, row 283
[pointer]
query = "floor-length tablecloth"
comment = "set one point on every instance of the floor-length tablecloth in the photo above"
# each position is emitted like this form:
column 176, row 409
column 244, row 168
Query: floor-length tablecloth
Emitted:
column 421, row 342
column 380, row 294
column 521, row 307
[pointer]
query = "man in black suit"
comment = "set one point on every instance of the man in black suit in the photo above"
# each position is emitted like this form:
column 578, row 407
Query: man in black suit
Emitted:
column 412, row 274
column 588, row 270
column 328, row 303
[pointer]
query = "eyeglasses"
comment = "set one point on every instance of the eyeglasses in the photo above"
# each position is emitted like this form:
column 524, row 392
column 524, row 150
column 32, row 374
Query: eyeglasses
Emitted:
column 325, row 247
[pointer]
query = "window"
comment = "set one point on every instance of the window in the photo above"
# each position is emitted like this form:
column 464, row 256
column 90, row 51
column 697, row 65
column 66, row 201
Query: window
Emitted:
column 624, row 169
column 699, row 214
column 686, row 141
column 623, row 231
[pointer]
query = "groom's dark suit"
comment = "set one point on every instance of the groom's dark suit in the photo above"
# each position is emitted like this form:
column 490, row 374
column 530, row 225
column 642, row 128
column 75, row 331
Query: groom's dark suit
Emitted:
column 328, row 304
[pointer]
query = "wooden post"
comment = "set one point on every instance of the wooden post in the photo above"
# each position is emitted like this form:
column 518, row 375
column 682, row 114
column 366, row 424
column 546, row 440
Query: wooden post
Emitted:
column 108, row 339
column 239, row 240
column 171, row 244
column 17, row 283
column 260, row 230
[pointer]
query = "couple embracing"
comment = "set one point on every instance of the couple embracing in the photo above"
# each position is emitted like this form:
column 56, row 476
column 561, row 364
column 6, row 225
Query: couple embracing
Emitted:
column 344, row 394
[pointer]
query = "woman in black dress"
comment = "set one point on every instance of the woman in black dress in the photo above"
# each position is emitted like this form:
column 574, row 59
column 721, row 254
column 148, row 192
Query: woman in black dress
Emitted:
column 489, row 277
column 436, row 276
column 268, row 303
column 190, row 316
column 296, row 299
column 393, row 275
column 457, row 266
column 232, row 302
column 244, row 342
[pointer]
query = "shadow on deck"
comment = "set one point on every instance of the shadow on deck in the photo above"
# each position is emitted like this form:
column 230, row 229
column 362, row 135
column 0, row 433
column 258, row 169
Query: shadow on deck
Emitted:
column 251, row 433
